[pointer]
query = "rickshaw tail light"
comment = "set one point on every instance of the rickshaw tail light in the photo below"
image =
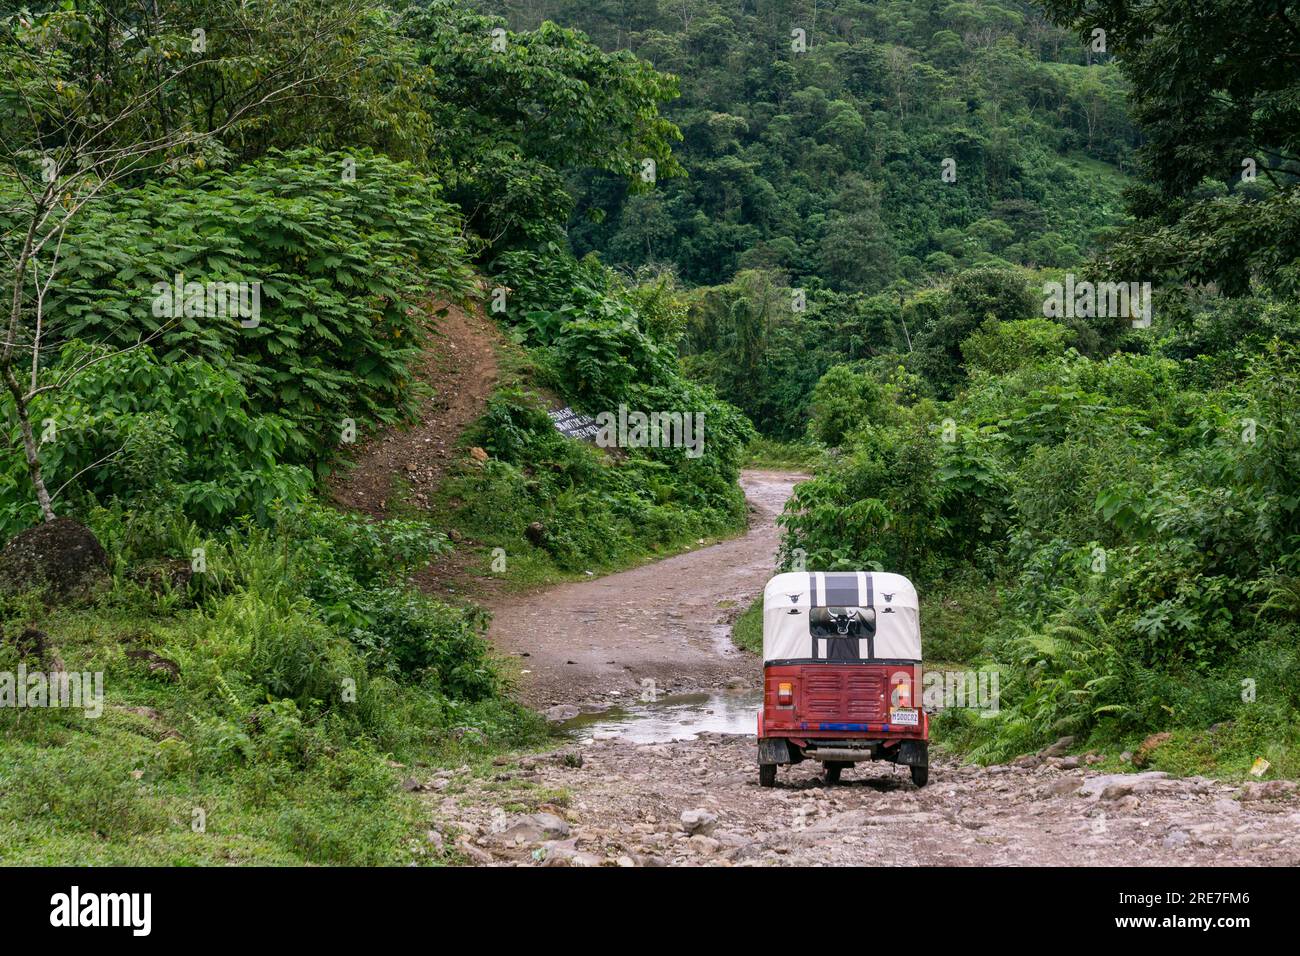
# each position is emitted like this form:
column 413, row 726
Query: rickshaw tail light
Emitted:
column 785, row 694
column 903, row 694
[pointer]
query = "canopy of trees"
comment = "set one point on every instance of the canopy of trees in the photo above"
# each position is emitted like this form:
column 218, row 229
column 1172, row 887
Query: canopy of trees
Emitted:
column 817, row 136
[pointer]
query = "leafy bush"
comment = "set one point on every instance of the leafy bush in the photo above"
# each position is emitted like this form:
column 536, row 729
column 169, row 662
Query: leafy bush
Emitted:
column 846, row 397
column 902, row 498
column 601, row 343
column 974, row 297
column 1135, row 526
column 341, row 266
column 999, row 347
column 155, row 434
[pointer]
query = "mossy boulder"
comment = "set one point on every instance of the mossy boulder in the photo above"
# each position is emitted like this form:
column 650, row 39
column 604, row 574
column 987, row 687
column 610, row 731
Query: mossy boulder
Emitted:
column 61, row 556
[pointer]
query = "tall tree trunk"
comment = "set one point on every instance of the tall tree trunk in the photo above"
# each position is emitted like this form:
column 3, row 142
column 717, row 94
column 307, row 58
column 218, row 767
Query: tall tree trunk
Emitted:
column 29, row 444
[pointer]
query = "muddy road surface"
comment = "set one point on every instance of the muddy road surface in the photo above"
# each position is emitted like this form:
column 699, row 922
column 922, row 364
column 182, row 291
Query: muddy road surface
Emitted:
column 674, row 782
column 661, row 627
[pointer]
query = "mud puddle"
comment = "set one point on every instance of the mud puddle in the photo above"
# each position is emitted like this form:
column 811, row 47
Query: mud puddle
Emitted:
column 673, row 717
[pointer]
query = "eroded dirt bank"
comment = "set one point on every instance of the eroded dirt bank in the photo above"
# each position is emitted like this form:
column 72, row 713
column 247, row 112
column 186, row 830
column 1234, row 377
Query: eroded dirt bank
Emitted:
column 611, row 801
column 460, row 368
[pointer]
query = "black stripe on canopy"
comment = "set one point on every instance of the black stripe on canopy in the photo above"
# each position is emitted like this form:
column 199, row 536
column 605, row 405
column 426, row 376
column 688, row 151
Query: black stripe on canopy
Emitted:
column 841, row 589
column 871, row 603
column 812, row 603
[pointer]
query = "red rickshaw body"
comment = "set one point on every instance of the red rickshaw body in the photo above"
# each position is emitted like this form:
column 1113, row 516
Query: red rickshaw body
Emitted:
column 841, row 673
column 835, row 700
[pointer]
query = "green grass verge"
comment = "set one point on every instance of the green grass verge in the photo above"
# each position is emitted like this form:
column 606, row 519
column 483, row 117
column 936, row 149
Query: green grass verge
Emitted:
column 301, row 690
column 770, row 453
column 747, row 632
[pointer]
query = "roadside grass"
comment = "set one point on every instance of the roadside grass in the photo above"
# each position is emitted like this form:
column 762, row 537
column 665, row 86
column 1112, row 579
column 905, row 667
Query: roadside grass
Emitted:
column 1228, row 749
column 240, row 747
column 80, row 791
column 526, row 567
column 747, row 632
column 533, row 797
column 529, row 568
column 107, row 795
column 770, row 453
column 1226, row 753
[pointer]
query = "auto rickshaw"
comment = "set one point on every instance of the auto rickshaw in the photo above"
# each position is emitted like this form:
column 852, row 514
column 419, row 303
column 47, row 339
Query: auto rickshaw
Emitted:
column 841, row 673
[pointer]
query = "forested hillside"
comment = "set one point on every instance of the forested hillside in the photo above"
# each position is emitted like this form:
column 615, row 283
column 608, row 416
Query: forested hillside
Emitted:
column 1102, row 506
column 232, row 231
column 830, row 229
column 814, row 136
column 840, row 158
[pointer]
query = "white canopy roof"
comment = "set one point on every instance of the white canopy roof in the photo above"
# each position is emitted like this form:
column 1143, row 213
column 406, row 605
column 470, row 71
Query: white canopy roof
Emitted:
column 789, row 619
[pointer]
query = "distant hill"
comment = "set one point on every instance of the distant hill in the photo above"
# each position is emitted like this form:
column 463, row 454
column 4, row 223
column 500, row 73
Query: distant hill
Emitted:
column 829, row 164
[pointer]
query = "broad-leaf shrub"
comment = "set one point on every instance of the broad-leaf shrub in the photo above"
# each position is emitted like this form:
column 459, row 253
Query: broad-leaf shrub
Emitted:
column 152, row 433
column 1140, row 531
column 599, row 343
column 345, row 266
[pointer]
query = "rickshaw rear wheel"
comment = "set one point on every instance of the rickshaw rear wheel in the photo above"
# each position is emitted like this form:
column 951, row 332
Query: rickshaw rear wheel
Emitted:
column 767, row 775
column 833, row 769
column 920, row 776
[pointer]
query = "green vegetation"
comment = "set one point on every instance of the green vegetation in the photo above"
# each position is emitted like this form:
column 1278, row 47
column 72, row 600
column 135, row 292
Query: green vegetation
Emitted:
column 822, row 226
column 825, row 162
column 600, row 345
column 1107, row 514
column 790, row 456
column 302, row 667
column 1215, row 203
column 219, row 413
column 1132, row 535
column 816, row 214
column 747, row 632
column 230, row 254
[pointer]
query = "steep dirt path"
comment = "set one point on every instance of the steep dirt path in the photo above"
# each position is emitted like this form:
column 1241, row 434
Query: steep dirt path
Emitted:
column 611, row 801
column 461, row 367
column 666, row 622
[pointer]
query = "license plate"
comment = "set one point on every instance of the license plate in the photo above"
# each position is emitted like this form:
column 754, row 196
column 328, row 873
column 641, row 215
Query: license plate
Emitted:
column 903, row 716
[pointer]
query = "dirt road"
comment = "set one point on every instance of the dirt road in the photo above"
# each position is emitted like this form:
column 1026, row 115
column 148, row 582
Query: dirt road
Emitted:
column 698, row 803
column 617, row 800
column 666, row 622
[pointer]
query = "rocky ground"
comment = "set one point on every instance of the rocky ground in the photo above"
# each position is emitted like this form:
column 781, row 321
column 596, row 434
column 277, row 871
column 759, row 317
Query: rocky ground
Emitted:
column 613, row 801
column 698, row 803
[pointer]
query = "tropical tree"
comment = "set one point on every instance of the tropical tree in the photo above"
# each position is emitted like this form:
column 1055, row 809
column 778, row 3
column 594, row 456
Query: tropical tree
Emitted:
column 1216, row 93
column 89, row 101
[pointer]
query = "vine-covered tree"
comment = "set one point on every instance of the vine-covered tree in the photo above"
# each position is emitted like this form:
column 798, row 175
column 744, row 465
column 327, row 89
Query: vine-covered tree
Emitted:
column 1216, row 92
